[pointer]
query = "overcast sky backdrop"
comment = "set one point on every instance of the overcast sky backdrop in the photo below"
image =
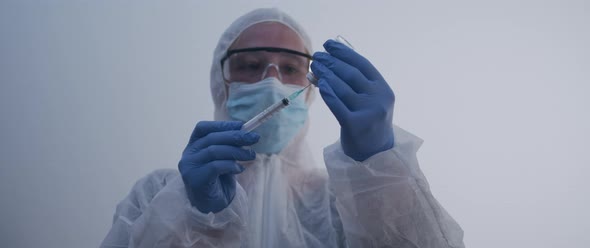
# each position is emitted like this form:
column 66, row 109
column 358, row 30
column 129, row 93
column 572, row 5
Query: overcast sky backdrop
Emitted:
column 96, row 94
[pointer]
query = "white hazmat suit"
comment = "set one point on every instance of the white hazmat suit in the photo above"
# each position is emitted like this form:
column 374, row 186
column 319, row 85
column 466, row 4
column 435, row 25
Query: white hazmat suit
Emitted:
column 287, row 200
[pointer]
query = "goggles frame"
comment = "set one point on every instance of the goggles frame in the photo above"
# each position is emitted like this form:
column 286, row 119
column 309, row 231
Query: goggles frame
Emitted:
column 231, row 52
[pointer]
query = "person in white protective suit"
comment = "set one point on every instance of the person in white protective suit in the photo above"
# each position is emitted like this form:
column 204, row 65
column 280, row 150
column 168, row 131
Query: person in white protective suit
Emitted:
column 262, row 189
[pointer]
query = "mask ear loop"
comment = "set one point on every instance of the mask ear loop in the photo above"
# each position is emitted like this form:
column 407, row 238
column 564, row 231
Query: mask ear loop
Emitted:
column 225, row 81
column 225, row 85
column 276, row 67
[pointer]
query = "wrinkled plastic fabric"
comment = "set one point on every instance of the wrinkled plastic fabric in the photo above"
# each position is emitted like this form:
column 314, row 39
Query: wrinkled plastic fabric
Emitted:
column 288, row 200
column 384, row 201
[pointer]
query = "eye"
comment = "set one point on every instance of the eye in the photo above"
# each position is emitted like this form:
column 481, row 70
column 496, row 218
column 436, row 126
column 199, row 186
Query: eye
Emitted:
column 248, row 65
column 253, row 65
column 293, row 65
column 290, row 70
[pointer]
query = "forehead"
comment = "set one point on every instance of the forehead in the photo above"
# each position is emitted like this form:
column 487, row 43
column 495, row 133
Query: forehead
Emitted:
column 269, row 34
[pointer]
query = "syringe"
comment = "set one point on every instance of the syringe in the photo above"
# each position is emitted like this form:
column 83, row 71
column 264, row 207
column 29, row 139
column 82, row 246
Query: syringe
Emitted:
column 270, row 111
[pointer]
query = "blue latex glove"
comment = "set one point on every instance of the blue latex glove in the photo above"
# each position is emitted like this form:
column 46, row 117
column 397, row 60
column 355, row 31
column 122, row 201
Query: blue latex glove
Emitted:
column 359, row 98
column 208, row 163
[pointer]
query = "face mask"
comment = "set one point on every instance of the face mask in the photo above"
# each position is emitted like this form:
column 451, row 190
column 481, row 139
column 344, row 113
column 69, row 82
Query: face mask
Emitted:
column 246, row 100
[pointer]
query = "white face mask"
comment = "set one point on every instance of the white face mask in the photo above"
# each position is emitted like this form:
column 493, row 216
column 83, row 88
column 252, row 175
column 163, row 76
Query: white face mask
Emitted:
column 245, row 100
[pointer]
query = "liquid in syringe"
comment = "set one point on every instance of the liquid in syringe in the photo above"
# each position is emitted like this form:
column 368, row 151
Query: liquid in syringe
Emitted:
column 270, row 111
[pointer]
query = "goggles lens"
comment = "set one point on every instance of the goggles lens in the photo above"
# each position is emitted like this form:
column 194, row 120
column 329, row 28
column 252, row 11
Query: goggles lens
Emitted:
column 250, row 66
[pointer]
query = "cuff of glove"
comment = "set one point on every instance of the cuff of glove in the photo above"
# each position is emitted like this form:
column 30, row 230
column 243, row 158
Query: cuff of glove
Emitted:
column 232, row 215
column 362, row 148
column 393, row 162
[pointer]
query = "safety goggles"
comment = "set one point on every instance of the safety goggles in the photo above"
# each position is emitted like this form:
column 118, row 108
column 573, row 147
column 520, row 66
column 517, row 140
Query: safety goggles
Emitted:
column 250, row 65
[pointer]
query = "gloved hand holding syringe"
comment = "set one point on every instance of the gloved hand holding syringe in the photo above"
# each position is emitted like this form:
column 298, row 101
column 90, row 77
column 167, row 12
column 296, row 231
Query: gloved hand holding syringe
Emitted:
column 266, row 114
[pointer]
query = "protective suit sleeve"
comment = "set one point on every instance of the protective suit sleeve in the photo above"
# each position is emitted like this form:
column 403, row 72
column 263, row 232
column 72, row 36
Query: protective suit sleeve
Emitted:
column 157, row 213
column 385, row 201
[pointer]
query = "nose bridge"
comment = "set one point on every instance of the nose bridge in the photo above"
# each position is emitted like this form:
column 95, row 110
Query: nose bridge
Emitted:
column 268, row 71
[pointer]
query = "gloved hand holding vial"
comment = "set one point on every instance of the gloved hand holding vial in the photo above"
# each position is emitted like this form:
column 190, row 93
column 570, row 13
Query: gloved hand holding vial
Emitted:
column 271, row 110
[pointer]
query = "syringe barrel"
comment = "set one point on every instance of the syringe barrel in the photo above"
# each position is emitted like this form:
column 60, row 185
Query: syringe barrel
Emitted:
column 265, row 115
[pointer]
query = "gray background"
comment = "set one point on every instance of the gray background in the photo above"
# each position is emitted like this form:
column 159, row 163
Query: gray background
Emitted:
column 95, row 94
